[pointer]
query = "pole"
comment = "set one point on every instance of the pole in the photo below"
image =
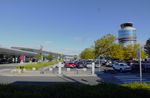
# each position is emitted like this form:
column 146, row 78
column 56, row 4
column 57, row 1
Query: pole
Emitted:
column 59, row 68
column 99, row 63
column 140, row 65
column 41, row 52
column 93, row 68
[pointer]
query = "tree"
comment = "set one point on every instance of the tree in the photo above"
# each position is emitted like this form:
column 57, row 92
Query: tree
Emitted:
column 103, row 45
column 38, row 57
column 131, row 52
column 87, row 53
column 50, row 57
column 117, row 52
column 147, row 47
column 75, row 57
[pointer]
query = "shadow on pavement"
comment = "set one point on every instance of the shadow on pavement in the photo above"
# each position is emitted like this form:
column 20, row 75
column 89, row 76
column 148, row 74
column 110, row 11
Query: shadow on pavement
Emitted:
column 107, row 76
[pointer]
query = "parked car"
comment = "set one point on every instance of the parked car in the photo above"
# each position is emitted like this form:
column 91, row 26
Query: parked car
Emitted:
column 89, row 64
column 70, row 65
column 108, row 63
column 147, row 65
column 121, row 67
column 135, row 66
column 97, row 64
column 80, row 64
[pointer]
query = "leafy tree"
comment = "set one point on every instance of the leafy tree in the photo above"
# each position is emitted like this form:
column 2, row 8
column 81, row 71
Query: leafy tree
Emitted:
column 131, row 52
column 88, row 53
column 147, row 47
column 117, row 52
column 128, row 52
column 75, row 57
column 103, row 45
column 38, row 56
column 50, row 57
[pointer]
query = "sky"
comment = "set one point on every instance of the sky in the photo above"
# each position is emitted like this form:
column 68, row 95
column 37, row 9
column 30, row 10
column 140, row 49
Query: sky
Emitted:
column 69, row 26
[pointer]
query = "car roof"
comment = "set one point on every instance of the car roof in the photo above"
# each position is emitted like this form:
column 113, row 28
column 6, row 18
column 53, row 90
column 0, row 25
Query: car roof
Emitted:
column 122, row 63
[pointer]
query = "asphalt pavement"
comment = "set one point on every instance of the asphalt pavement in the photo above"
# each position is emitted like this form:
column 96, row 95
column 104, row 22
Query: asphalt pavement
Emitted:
column 91, row 80
column 10, row 66
column 103, row 74
column 110, row 76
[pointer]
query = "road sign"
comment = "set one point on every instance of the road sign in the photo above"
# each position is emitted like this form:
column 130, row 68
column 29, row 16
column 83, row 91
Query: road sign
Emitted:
column 138, row 53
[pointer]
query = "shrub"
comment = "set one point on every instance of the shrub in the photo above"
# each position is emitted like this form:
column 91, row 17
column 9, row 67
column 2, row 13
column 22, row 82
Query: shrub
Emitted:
column 38, row 65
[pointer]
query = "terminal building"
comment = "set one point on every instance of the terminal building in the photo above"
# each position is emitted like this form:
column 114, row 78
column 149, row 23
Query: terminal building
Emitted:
column 127, row 34
column 10, row 55
column 16, row 54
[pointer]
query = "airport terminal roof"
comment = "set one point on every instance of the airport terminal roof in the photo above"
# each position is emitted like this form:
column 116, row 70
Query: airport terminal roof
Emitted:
column 10, row 51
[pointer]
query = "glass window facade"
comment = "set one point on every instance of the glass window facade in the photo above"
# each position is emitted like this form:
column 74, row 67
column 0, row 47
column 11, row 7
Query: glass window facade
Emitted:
column 127, row 34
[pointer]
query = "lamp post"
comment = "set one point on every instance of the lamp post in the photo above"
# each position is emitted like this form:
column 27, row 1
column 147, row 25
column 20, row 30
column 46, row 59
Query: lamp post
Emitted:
column 41, row 49
column 140, row 65
column 99, row 62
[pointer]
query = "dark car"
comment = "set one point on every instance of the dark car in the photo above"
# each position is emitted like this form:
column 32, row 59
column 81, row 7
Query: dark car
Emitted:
column 3, row 61
column 80, row 64
column 136, row 67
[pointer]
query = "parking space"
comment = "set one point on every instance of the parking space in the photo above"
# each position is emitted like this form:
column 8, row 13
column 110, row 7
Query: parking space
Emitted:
column 112, row 76
column 127, row 78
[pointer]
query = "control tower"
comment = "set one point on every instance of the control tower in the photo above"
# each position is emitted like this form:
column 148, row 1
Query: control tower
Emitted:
column 127, row 34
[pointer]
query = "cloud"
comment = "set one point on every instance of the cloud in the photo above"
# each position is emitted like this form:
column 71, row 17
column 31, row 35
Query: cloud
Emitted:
column 79, row 39
column 70, row 51
column 66, row 51
column 48, row 42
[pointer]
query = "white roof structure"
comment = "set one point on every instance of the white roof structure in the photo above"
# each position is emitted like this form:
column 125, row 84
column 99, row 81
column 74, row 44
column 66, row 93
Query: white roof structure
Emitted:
column 15, row 52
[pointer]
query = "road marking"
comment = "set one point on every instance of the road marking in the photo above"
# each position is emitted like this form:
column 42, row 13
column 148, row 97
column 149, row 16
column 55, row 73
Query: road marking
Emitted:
column 131, row 78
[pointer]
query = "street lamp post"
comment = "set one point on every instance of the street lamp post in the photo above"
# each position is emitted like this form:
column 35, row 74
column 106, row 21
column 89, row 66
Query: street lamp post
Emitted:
column 140, row 65
column 41, row 50
column 99, row 62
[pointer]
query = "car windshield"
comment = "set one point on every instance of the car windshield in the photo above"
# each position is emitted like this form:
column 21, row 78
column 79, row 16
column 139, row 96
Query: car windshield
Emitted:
column 122, row 65
column 89, row 62
column 70, row 63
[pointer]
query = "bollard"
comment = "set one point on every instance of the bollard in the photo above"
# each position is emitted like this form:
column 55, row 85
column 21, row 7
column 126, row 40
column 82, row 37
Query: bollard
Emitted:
column 77, row 71
column 68, row 69
column 84, row 69
column 50, row 69
column 33, row 69
column 93, row 68
column 59, row 68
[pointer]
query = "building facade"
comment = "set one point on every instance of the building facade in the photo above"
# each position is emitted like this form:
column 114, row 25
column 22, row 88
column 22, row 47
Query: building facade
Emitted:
column 127, row 34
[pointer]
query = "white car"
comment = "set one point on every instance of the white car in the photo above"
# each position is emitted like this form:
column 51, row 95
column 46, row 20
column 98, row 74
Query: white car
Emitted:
column 121, row 67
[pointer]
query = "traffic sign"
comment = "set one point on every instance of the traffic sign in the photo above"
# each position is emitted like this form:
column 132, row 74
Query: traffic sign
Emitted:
column 138, row 53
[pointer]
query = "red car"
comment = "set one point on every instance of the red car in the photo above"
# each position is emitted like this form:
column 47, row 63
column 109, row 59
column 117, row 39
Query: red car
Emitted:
column 70, row 65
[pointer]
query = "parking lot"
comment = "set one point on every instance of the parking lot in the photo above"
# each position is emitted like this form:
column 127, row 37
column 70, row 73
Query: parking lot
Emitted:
column 109, row 75
column 105, row 74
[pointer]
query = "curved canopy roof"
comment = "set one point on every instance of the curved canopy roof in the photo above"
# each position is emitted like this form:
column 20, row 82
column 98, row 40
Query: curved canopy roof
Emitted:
column 16, row 52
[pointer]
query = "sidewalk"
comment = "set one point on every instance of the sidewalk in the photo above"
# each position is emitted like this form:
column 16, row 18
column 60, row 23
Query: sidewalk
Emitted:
column 9, row 72
column 46, row 71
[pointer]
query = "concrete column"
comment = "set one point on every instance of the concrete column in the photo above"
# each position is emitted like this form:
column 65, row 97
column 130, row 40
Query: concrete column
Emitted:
column 93, row 68
column 16, row 59
column 59, row 68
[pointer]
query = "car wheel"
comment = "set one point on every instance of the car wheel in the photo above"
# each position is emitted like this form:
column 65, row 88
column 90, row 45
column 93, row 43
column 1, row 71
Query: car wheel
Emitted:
column 121, row 70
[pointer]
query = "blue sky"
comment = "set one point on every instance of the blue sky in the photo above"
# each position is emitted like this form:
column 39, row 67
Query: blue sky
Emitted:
column 69, row 26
